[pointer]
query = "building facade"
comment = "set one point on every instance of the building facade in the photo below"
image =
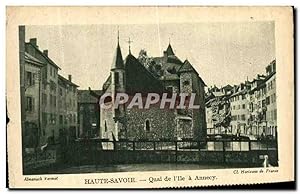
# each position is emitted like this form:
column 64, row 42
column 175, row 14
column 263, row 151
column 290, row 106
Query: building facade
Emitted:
column 165, row 74
column 67, row 107
column 88, row 113
column 218, row 112
column 49, row 99
column 239, row 109
column 33, row 68
column 253, row 109
column 271, row 113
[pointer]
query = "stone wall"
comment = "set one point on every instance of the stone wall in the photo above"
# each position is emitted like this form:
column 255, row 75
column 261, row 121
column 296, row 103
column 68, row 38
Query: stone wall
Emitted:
column 162, row 123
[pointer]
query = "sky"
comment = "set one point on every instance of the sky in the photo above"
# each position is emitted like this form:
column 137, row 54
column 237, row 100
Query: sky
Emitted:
column 222, row 53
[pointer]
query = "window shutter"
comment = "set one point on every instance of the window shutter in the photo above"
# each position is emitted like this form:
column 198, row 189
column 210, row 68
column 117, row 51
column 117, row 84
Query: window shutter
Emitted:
column 32, row 106
column 33, row 78
column 26, row 105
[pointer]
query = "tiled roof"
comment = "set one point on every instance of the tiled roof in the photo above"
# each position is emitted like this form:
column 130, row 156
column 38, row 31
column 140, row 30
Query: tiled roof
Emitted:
column 33, row 60
column 84, row 96
column 45, row 56
column 139, row 79
column 66, row 80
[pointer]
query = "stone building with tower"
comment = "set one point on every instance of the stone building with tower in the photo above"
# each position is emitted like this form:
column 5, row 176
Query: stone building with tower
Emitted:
column 144, row 75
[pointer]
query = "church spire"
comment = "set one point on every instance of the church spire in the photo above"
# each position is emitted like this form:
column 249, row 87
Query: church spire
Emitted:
column 170, row 50
column 118, row 59
column 118, row 36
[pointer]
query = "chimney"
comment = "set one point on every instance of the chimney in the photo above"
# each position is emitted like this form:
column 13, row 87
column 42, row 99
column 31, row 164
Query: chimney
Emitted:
column 33, row 41
column 70, row 77
column 45, row 52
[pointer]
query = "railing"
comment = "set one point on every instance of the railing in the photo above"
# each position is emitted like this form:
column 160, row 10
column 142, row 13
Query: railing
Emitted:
column 184, row 145
column 103, row 151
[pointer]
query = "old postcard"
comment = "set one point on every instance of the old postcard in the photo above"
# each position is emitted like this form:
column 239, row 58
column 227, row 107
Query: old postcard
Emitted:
column 149, row 97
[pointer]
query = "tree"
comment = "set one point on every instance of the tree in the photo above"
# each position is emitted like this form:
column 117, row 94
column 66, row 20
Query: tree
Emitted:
column 154, row 68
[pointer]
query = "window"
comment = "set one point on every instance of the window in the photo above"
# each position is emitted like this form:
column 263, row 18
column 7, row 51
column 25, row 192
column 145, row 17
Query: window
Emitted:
column 29, row 104
column 251, row 107
column 52, row 118
column 268, row 100
column 44, row 119
column 44, row 85
column 186, row 82
column 243, row 117
column 54, row 101
column 61, row 119
column 117, row 81
column 44, row 99
column 51, row 100
column 105, row 126
column 30, row 77
column 147, row 126
column 60, row 91
column 271, row 84
column 52, row 85
column 243, row 106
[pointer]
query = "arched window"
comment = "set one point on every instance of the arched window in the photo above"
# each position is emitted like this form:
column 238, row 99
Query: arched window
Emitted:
column 147, row 126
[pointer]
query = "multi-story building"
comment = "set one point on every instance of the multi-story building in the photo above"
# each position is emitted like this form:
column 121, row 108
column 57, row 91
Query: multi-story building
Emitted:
column 263, row 108
column 271, row 113
column 49, row 75
column 67, row 103
column 252, row 105
column 33, row 88
column 218, row 113
column 256, row 120
column 43, row 115
column 88, row 113
column 239, row 109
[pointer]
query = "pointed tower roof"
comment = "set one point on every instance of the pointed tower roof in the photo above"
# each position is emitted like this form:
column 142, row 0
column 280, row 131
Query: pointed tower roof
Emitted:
column 187, row 67
column 170, row 50
column 118, row 59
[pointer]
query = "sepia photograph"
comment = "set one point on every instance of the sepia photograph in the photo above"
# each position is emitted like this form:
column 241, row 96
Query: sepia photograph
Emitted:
column 66, row 130
column 133, row 97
